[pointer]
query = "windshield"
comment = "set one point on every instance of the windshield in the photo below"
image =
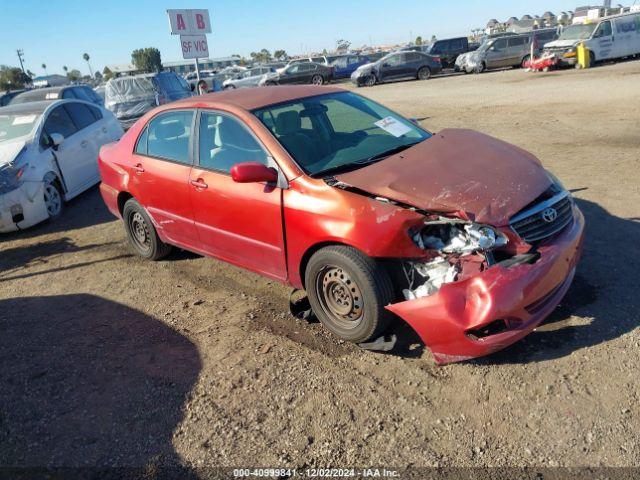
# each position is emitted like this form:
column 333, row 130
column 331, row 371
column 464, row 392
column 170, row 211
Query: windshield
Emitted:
column 16, row 125
column 578, row 32
column 338, row 132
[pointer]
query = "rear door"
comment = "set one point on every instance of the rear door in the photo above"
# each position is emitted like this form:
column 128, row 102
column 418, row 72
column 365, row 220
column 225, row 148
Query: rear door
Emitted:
column 159, row 178
column 518, row 48
column 91, row 138
column 237, row 222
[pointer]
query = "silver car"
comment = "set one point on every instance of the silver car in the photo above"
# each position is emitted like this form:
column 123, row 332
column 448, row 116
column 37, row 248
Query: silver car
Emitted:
column 249, row 78
column 511, row 51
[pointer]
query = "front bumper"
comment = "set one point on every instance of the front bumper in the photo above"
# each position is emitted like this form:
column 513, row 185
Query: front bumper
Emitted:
column 522, row 296
column 23, row 207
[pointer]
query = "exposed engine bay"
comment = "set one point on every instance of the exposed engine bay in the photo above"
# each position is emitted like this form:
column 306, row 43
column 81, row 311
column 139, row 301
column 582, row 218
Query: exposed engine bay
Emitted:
column 462, row 248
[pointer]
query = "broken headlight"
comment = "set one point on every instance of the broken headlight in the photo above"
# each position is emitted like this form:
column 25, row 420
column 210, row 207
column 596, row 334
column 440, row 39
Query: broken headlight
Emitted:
column 458, row 237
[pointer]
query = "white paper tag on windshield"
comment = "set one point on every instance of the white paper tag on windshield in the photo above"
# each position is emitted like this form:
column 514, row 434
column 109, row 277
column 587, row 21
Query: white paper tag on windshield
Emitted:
column 24, row 120
column 393, row 126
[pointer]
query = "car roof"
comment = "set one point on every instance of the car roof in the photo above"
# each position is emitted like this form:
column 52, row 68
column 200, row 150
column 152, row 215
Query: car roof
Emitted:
column 253, row 98
column 27, row 107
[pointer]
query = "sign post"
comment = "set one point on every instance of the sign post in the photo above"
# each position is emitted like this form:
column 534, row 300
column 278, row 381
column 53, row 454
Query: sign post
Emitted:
column 192, row 25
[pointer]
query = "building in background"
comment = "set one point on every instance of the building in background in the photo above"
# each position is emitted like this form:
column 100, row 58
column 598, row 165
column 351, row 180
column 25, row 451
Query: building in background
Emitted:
column 50, row 81
column 187, row 66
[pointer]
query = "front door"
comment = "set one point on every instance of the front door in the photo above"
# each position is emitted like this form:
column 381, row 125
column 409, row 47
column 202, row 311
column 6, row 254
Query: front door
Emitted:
column 160, row 176
column 237, row 222
column 73, row 155
column 603, row 42
column 392, row 68
column 497, row 54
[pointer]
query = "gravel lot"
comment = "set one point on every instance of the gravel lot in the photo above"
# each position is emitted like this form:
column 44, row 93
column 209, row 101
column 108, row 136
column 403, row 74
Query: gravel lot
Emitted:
column 112, row 361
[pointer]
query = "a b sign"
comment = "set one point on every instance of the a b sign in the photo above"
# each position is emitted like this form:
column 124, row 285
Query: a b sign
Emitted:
column 194, row 46
column 189, row 22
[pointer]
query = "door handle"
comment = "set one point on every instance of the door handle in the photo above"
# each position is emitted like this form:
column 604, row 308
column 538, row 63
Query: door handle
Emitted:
column 199, row 184
column 84, row 144
column 138, row 168
column 104, row 129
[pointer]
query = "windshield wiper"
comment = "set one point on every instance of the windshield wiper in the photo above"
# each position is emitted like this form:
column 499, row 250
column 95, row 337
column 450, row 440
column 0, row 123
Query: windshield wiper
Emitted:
column 361, row 163
column 387, row 153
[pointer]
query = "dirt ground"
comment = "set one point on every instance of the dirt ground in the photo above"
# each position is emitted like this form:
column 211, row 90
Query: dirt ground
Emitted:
column 109, row 360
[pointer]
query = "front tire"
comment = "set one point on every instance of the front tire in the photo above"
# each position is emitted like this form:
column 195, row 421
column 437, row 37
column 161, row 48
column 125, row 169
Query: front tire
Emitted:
column 348, row 292
column 370, row 81
column 141, row 233
column 424, row 73
column 53, row 198
column 317, row 80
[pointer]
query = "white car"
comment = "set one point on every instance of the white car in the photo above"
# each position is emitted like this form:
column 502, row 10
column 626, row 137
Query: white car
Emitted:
column 49, row 154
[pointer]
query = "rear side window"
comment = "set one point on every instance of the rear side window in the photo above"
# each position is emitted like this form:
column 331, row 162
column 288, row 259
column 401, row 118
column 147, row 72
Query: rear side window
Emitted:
column 68, row 93
column 517, row 41
column 80, row 114
column 60, row 122
column 456, row 44
column 170, row 136
column 97, row 114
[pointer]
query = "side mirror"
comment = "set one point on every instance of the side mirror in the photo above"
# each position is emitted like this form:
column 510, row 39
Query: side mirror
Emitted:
column 56, row 140
column 385, row 65
column 253, row 172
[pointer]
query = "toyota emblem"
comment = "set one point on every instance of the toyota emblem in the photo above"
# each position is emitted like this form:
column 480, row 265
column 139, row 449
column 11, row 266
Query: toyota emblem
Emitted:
column 549, row 215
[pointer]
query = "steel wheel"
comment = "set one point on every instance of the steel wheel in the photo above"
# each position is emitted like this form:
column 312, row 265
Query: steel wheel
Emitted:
column 140, row 230
column 340, row 297
column 52, row 199
column 317, row 80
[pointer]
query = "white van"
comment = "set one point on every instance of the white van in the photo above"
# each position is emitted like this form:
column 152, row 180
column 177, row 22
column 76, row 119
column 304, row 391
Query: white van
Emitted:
column 607, row 38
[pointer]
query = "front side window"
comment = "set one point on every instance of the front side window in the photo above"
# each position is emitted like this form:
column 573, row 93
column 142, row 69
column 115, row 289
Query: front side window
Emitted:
column 225, row 141
column 393, row 60
column 60, row 122
column 604, row 30
column 345, row 131
column 170, row 135
column 500, row 44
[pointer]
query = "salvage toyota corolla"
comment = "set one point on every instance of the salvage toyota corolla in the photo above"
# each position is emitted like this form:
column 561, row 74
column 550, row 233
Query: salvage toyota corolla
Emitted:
column 465, row 237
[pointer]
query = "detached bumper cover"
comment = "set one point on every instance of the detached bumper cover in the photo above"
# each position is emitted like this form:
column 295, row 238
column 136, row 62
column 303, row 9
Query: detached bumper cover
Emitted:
column 25, row 204
column 521, row 296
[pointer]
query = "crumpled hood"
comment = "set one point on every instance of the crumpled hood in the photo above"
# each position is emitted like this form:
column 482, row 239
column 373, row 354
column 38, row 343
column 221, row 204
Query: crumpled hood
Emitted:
column 457, row 170
column 9, row 151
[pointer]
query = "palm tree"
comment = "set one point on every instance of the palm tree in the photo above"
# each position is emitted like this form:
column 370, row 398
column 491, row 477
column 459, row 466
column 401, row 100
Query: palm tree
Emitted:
column 66, row 70
column 86, row 57
column 44, row 67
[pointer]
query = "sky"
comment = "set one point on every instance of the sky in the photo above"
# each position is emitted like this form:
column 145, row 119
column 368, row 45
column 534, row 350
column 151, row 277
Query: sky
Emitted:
column 58, row 32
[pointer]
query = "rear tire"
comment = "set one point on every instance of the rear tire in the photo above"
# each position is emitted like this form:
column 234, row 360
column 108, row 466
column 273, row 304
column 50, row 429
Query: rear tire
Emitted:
column 141, row 233
column 524, row 61
column 348, row 292
column 317, row 80
column 424, row 73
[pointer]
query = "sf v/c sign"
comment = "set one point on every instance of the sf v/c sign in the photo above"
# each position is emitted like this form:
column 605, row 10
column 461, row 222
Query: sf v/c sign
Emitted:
column 189, row 22
column 194, row 46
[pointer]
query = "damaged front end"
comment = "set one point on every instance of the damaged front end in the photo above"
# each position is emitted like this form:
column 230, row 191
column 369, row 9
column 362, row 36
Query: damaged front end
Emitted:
column 458, row 247
column 480, row 288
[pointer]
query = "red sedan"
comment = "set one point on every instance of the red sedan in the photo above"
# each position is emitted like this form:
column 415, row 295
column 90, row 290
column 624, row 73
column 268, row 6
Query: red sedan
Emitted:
column 467, row 238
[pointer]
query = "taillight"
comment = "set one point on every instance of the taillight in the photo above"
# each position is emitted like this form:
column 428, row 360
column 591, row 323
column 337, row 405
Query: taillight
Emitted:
column 437, row 59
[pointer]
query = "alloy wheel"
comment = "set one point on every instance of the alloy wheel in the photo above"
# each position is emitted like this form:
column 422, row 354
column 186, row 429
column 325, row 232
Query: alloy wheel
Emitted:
column 52, row 200
column 317, row 80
